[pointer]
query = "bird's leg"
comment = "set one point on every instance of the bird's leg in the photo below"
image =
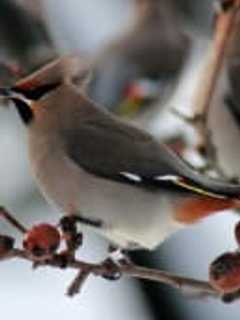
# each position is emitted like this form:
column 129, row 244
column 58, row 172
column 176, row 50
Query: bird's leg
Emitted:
column 89, row 222
column 80, row 218
column 71, row 235
column 116, row 258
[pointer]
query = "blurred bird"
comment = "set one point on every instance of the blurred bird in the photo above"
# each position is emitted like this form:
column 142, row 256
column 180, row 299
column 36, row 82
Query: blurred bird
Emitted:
column 119, row 180
column 10, row 72
column 154, row 48
column 24, row 38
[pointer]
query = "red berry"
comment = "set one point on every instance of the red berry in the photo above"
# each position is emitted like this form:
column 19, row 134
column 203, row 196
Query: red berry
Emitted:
column 42, row 240
column 237, row 233
column 224, row 273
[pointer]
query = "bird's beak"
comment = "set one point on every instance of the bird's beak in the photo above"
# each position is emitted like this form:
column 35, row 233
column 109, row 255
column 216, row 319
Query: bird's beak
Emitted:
column 11, row 94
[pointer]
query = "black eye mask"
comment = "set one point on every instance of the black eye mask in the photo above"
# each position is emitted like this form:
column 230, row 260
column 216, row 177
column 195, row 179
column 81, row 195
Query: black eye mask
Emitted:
column 38, row 92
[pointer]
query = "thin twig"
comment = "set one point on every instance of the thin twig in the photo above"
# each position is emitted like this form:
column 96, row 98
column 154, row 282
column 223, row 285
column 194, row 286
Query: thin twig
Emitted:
column 11, row 220
column 78, row 282
column 197, row 287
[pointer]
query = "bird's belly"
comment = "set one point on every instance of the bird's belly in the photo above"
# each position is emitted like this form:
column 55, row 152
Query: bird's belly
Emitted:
column 129, row 214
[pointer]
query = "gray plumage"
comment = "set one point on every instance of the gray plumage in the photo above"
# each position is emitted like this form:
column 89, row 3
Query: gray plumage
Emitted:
column 108, row 146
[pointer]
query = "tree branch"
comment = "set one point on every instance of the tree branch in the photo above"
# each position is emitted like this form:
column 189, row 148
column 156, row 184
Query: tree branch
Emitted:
column 225, row 28
column 197, row 287
column 64, row 260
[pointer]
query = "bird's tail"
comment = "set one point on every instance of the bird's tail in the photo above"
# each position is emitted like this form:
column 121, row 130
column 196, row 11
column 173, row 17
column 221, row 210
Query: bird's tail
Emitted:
column 190, row 179
column 209, row 186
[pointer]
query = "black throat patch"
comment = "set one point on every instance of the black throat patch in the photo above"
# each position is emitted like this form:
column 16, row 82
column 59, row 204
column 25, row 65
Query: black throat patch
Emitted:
column 24, row 111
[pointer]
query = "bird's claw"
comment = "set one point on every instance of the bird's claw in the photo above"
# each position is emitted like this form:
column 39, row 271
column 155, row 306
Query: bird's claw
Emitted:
column 114, row 262
column 112, row 271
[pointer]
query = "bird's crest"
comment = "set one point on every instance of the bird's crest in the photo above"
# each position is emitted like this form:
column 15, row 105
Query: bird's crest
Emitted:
column 68, row 68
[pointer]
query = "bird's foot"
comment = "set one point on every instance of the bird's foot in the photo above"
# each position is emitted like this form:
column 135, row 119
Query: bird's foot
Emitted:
column 73, row 238
column 116, row 259
column 70, row 220
column 95, row 223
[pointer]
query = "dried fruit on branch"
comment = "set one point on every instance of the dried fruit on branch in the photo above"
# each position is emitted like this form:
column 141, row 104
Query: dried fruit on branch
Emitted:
column 224, row 273
column 42, row 240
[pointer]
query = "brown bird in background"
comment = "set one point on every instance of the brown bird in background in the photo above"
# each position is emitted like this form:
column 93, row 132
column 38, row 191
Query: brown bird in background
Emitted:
column 24, row 38
column 154, row 47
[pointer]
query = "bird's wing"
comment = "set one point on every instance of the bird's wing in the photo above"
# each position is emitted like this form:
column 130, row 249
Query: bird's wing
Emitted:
column 111, row 149
column 114, row 152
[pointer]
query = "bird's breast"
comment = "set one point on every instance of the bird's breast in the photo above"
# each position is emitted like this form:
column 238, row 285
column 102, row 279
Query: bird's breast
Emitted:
column 57, row 177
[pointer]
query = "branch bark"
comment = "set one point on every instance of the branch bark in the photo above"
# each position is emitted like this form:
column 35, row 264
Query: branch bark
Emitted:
column 226, row 27
column 196, row 287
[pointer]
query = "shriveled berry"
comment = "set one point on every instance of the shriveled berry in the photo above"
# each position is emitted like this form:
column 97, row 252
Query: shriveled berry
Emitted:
column 224, row 273
column 6, row 244
column 42, row 240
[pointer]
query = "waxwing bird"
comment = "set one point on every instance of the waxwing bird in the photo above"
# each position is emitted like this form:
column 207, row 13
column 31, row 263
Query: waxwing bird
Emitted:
column 153, row 48
column 118, row 179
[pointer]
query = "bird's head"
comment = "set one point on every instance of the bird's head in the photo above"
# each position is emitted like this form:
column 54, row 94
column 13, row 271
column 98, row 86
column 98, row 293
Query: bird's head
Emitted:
column 40, row 84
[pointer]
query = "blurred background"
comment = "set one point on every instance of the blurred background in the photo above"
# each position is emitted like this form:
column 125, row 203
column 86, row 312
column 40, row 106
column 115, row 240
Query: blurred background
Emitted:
column 146, row 56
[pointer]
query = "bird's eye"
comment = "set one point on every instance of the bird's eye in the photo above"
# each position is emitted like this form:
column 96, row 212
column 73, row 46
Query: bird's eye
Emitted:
column 38, row 92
